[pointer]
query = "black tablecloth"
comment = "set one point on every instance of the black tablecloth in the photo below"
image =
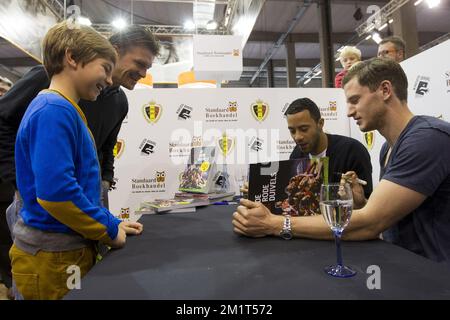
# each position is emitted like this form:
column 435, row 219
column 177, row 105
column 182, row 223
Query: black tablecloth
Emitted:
column 197, row 256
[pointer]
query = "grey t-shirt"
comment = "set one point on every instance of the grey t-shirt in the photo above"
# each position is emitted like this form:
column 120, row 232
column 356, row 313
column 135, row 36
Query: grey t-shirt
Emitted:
column 32, row 240
column 420, row 161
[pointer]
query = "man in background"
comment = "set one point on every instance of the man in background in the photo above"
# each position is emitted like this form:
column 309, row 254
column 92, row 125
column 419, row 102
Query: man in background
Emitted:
column 392, row 48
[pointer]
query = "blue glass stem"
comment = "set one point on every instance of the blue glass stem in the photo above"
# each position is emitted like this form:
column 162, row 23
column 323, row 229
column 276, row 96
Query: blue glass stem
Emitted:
column 337, row 238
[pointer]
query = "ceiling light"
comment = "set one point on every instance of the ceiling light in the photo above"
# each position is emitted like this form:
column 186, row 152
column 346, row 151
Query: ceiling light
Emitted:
column 433, row 3
column 119, row 23
column 211, row 25
column 189, row 25
column 383, row 26
column 376, row 37
column 84, row 21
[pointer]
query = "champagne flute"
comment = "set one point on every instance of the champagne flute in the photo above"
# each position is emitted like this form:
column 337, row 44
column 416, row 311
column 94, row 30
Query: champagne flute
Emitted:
column 336, row 204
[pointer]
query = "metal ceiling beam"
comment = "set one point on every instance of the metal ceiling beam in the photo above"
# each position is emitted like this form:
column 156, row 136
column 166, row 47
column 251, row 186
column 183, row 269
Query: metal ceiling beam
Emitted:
column 106, row 29
column 264, row 36
column 56, row 7
column 301, row 11
column 380, row 17
column 338, row 37
column 435, row 42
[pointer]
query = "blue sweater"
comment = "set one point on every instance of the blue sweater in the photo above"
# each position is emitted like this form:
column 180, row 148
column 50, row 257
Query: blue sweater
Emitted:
column 57, row 171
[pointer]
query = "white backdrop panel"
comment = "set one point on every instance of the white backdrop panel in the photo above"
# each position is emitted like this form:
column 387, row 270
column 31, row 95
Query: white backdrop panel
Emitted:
column 156, row 143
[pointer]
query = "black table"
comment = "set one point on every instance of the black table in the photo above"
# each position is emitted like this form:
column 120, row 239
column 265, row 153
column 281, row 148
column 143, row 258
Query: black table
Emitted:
column 197, row 256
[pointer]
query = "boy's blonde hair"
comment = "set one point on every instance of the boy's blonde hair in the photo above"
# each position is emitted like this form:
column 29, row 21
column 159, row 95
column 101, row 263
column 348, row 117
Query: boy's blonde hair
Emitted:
column 349, row 51
column 85, row 44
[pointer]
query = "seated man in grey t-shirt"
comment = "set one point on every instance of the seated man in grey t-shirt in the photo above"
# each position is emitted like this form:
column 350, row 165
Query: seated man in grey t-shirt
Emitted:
column 420, row 161
column 413, row 195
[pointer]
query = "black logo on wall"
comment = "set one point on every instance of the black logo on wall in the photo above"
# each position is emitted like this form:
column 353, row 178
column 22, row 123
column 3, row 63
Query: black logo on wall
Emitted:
column 147, row 147
column 256, row 144
column 422, row 86
column 184, row 112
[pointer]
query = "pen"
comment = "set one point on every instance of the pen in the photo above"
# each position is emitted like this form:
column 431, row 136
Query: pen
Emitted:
column 360, row 181
column 223, row 203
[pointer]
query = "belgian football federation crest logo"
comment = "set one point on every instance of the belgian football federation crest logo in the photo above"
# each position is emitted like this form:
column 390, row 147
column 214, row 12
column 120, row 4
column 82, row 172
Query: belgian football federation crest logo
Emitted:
column 118, row 148
column 152, row 112
column 333, row 106
column 226, row 144
column 160, row 176
column 259, row 110
column 124, row 213
column 369, row 139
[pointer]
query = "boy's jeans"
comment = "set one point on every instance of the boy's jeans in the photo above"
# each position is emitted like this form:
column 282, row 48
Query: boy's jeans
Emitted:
column 45, row 276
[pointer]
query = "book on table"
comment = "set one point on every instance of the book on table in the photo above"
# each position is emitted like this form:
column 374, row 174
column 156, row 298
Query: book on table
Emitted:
column 200, row 172
column 166, row 205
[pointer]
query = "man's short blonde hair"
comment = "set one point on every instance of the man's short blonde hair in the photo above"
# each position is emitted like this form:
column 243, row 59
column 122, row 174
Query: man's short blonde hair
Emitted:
column 85, row 44
column 350, row 51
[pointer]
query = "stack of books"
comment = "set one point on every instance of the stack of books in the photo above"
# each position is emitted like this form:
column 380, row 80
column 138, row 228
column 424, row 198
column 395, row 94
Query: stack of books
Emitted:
column 198, row 186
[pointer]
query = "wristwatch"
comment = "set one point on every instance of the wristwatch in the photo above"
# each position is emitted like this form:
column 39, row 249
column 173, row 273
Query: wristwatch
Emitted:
column 286, row 232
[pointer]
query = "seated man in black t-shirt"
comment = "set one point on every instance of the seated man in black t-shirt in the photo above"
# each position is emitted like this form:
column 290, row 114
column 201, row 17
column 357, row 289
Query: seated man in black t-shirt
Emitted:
column 413, row 196
column 345, row 154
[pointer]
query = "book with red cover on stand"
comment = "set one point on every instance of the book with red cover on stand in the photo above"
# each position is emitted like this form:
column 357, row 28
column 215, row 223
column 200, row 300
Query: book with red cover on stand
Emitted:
column 290, row 186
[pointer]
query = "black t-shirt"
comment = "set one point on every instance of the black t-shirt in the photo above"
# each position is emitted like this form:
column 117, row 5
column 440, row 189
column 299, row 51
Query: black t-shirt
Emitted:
column 104, row 116
column 420, row 161
column 345, row 154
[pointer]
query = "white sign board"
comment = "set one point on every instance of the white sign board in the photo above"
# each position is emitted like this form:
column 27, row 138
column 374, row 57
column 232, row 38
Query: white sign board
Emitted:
column 217, row 57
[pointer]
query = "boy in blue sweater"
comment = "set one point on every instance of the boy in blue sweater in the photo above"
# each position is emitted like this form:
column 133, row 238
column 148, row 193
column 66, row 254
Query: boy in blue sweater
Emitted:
column 58, row 173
